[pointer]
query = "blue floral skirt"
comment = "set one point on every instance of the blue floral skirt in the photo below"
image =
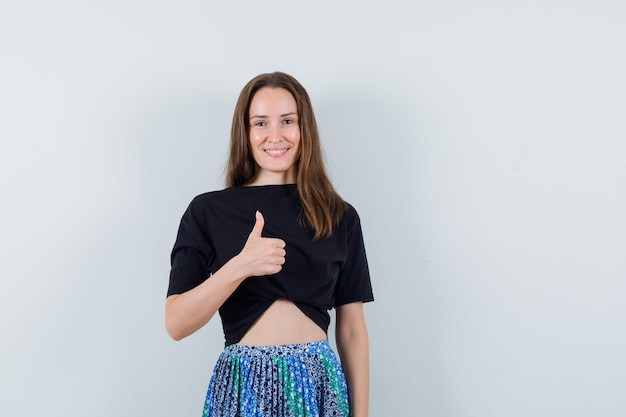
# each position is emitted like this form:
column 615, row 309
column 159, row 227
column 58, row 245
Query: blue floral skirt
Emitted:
column 303, row 380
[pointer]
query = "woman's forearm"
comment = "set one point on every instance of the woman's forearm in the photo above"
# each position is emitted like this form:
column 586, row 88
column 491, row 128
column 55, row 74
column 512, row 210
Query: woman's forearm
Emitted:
column 353, row 347
column 185, row 313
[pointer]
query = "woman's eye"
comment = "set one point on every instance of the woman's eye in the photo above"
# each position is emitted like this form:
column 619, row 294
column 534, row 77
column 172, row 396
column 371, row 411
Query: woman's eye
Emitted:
column 260, row 123
column 288, row 121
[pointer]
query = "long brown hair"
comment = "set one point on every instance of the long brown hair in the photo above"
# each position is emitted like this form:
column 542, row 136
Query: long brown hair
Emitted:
column 322, row 207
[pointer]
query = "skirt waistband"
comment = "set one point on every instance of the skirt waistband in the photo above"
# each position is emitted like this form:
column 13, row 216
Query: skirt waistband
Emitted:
column 312, row 348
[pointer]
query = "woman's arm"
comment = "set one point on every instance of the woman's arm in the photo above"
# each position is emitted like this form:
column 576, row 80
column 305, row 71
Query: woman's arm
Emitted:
column 187, row 312
column 353, row 347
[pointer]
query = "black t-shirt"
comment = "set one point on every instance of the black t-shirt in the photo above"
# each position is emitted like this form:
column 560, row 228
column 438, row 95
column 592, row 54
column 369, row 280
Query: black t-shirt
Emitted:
column 317, row 274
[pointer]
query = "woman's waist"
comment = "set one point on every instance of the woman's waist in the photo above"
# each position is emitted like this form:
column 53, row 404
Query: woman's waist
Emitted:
column 283, row 323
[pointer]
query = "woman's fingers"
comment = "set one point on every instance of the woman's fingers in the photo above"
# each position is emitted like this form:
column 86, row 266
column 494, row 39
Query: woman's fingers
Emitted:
column 264, row 256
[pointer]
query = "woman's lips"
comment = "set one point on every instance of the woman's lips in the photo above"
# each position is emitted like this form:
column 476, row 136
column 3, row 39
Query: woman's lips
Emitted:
column 276, row 153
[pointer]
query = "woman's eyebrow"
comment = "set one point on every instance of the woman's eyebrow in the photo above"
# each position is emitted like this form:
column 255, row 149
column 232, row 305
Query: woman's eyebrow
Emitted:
column 261, row 116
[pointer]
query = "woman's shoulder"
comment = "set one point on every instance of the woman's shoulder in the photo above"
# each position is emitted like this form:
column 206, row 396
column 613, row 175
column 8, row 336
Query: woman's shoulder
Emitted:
column 350, row 211
column 204, row 201
column 213, row 195
column 204, row 198
column 350, row 216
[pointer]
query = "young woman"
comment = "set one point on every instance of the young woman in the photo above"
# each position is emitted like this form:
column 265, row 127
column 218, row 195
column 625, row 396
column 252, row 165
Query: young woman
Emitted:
column 273, row 252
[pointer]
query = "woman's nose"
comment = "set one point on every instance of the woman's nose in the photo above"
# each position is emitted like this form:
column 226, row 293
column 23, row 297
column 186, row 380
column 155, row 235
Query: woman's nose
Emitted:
column 274, row 134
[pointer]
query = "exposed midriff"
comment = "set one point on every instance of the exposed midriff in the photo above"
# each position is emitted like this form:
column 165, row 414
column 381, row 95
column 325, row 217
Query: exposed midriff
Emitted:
column 283, row 323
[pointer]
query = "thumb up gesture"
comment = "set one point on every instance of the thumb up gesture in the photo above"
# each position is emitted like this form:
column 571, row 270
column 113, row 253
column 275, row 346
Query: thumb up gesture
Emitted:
column 260, row 255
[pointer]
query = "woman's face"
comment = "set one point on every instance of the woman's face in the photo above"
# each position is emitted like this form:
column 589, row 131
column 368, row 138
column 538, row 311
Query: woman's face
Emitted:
column 274, row 136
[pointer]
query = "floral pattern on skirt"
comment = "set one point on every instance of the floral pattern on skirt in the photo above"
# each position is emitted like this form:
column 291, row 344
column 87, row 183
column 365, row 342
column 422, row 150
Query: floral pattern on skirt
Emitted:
column 302, row 380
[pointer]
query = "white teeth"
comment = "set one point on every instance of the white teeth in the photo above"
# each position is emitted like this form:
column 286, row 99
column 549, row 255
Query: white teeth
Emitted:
column 275, row 151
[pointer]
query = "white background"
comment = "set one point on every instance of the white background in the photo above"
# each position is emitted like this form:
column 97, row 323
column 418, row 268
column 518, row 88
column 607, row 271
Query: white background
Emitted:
column 482, row 142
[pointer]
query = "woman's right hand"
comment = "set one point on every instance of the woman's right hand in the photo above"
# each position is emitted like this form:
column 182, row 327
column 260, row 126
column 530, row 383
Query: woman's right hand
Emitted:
column 185, row 313
column 261, row 255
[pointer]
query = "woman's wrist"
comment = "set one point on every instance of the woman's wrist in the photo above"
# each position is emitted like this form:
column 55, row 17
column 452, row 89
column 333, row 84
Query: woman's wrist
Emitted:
column 236, row 270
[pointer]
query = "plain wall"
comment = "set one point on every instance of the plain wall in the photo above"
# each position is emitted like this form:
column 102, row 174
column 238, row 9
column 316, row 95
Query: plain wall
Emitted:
column 483, row 144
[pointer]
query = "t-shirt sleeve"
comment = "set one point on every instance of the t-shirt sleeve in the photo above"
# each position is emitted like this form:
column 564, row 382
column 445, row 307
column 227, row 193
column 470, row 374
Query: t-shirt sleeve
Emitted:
column 192, row 251
column 354, row 282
